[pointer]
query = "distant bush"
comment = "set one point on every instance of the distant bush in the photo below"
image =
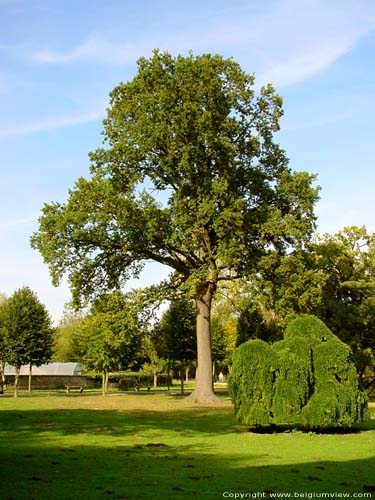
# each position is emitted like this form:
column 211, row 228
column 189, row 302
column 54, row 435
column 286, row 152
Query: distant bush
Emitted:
column 127, row 383
column 308, row 379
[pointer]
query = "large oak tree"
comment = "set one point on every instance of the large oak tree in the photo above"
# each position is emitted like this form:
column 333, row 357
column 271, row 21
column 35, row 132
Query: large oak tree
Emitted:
column 189, row 176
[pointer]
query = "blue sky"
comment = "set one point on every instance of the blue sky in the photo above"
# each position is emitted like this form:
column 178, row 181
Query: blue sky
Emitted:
column 60, row 59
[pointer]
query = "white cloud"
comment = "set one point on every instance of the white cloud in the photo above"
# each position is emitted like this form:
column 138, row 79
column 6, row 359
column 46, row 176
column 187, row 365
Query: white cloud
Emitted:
column 94, row 48
column 305, row 38
column 9, row 224
column 51, row 123
column 285, row 42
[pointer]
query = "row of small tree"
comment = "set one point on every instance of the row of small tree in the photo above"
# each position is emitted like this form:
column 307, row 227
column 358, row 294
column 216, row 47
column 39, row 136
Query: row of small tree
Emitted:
column 120, row 333
column 26, row 333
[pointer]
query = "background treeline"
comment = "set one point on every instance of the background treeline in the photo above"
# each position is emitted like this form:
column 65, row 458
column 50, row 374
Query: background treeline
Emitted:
column 331, row 277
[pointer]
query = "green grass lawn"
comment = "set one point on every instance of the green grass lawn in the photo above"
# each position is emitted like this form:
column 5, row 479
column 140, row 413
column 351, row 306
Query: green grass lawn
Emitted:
column 157, row 446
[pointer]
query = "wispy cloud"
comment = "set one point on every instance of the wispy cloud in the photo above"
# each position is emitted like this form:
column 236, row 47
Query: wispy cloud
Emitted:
column 94, row 48
column 285, row 42
column 51, row 124
column 304, row 38
column 304, row 64
column 11, row 223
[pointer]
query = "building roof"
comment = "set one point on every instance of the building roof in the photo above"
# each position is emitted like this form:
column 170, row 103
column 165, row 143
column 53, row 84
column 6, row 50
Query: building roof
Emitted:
column 48, row 369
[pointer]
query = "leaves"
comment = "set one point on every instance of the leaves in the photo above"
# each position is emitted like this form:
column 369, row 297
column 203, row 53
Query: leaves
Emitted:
column 27, row 330
column 306, row 379
column 109, row 336
column 190, row 132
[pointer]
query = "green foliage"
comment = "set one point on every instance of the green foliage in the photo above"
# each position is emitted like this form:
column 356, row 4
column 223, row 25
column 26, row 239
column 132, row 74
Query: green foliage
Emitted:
column 176, row 335
column 307, row 379
column 3, row 299
column 192, row 128
column 251, row 382
column 224, row 323
column 255, row 323
column 332, row 278
column 27, row 329
column 109, row 337
column 190, row 177
column 65, row 339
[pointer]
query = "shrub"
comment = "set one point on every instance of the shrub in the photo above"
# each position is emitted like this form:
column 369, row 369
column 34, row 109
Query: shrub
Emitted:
column 251, row 383
column 308, row 379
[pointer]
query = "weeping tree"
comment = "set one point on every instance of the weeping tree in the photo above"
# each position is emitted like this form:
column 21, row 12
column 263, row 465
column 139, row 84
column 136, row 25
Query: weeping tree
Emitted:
column 189, row 176
column 307, row 379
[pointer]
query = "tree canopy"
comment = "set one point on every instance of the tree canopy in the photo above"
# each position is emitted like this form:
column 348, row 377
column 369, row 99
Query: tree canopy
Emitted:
column 332, row 277
column 109, row 336
column 189, row 176
column 27, row 330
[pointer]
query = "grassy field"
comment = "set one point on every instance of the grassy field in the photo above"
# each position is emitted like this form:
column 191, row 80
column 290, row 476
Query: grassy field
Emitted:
column 156, row 446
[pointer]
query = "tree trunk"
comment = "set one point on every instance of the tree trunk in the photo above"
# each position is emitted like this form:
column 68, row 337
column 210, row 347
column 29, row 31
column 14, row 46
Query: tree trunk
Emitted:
column 182, row 369
column 30, row 375
column 2, row 372
column 105, row 377
column 203, row 392
column 155, row 378
column 187, row 375
column 168, row 373
column 16, row 378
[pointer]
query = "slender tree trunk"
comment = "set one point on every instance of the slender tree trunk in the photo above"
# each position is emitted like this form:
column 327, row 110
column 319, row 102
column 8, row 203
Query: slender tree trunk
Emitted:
column 16, row 378
column 105, row 376
column 2, row 373
column 187, row 374
column 155, row 377
column 30, row 375
column 2, row 370
column 182, row 378
column 203, row 392
column 168, row 374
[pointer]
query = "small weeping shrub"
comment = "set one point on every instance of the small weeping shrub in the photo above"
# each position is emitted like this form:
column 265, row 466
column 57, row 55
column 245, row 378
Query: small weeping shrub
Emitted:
column 252, row 385
column 308, row 380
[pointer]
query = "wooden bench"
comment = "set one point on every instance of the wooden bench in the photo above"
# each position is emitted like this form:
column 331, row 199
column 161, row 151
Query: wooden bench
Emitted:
column 138, row 387
column 73, row 387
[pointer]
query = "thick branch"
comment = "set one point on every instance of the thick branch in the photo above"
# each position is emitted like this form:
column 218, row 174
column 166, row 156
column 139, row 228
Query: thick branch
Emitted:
column 175, row 264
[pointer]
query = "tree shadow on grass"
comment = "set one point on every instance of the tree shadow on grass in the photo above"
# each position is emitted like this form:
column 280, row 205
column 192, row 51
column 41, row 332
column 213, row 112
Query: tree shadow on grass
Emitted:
column 153, row 471
column 89, row 454
column 278, row 429
column 189, row 421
